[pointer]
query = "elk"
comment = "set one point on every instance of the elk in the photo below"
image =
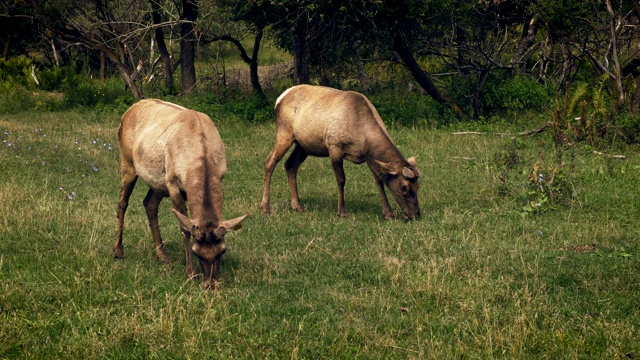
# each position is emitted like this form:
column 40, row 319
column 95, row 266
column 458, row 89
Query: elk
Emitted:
column 179, row 154
column 326, row 122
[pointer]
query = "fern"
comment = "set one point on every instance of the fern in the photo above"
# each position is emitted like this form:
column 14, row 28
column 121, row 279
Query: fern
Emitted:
column 579, row 95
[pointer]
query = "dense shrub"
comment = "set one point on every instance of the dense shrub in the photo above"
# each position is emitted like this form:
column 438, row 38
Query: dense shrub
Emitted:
column 515, row 94
column 51, row 79
column 410, row 108
column 80, row 91
column 15, row 70
column 251, row 108
column 593, row 115
column 628, row 127
column 15, row 98
column 244, row 106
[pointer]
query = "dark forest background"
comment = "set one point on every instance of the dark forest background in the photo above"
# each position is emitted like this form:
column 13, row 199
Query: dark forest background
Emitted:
column 428, row 61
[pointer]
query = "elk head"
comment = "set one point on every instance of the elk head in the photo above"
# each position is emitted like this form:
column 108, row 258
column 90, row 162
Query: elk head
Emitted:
column 402, row 181
column 208, row 243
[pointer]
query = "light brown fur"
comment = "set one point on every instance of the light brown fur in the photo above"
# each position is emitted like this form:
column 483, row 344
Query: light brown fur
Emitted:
column 326, row 122
column 179, row 154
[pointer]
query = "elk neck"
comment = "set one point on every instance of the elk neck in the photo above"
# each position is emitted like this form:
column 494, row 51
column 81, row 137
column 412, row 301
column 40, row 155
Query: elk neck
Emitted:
column 204, row 194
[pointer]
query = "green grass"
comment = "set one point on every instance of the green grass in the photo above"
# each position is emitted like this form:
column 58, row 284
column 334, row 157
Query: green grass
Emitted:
column 473, row 278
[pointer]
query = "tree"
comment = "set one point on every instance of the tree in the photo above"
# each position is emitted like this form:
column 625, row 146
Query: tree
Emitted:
column 237, row 13
column 291, row 20
column 162, row 47
column 188, row 44
column 109, row 27
column 120, row 29
column 17, row 31
column 329, row 33
column 401, row 23
column 603, row 34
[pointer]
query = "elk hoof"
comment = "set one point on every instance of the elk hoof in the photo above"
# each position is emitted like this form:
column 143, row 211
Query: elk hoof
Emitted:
column 163, row 258
column 190, row 274
column 265, row 209
column 211, row 285
column 343, row 214
column 118, row 253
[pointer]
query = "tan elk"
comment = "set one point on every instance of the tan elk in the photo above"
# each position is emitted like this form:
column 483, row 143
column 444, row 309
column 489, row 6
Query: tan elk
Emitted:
column 178, row 153
column 326, row 122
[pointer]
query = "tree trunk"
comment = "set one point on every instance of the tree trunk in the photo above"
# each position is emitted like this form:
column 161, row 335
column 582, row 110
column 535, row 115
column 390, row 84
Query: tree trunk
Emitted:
column 525, row 47
column 462, row 60
column 188, row 45
column 359, row 62
column 129, row 80
column 476, row 98
column 162, row 47
column 614, row 50
column 102, row 66
column 421, row 77
column 251, row 61
column 635, row 103
column 300, row 53
column 253, row 65
column 7, row 46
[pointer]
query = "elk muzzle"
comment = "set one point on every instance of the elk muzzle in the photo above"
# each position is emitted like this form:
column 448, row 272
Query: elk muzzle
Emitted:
column 210, row 257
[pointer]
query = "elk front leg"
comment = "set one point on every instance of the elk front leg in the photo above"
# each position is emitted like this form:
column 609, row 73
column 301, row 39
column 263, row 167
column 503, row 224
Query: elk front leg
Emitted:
column 178, row 203
column 386, row 209
column 297, row 157
column 128, row 183
column 283, row 143
column 151, row 203
column 340, row 179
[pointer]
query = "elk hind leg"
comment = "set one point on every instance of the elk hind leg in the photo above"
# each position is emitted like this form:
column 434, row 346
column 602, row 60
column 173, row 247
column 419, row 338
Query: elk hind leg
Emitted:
column 297, row 157
column 128, row 183
column 338, row 170
column 151, row 203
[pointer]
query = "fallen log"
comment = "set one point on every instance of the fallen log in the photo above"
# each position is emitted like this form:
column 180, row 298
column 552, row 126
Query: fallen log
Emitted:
column 524, row 133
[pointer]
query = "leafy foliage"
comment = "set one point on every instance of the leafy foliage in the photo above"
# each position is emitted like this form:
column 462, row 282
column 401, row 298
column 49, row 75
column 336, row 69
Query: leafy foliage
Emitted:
column 15, row 99
column 79, row 91
column 516, row 94
column 587, row 114
column 15, row 70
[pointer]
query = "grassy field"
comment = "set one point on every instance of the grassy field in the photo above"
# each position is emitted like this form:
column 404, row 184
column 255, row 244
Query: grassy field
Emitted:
column 504, row 263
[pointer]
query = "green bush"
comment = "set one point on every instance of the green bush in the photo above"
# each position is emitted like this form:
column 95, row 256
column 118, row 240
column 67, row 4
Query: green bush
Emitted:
column 628, row 127
column 15, row 70
column 251, row 108
column 80, row 91
column 15, row 98
column 410, row 108
column 245, row 106
column 51, row 79
column 515, row 94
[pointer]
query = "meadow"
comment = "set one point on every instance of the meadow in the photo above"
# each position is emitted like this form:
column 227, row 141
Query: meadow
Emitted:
column 525, row 249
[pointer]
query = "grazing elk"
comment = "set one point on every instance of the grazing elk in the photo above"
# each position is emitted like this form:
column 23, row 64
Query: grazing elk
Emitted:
column 323, row 122
column 178, row 153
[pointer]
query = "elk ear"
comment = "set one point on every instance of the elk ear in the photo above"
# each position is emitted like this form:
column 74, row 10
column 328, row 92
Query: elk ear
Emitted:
column 196, row 232
column 412, row 162
column 229, row 225
column 185, row 222
column 408, row 173
column 385, row 168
